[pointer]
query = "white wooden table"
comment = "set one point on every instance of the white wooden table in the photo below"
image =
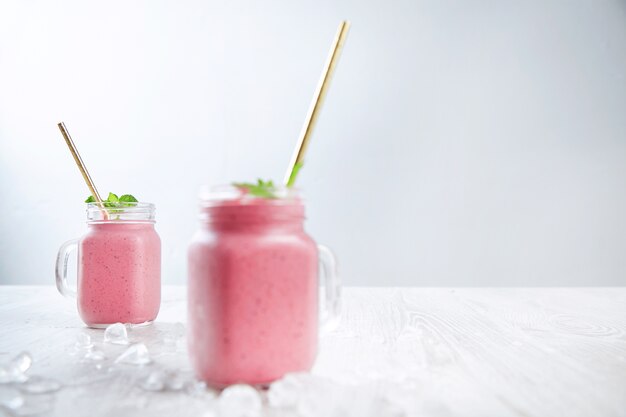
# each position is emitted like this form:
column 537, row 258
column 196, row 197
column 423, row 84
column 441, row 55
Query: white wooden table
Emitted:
column 401, row 352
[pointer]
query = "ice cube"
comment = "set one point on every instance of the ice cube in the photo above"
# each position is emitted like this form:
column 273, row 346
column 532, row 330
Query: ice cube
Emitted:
column 15, row 370
column 286, row 392
column 136, row 354
column 10, row 398
column 83, row 341
column 40, row 385
column 22, row 362
column 155, row 381
column 116, row 334
column 239, row 401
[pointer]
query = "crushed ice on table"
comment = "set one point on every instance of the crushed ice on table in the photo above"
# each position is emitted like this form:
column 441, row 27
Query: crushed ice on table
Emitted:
column 116, row 334
column 10, row 398
column 15, row 370
column 136, row 354
column 40, row 385
column 239, row 401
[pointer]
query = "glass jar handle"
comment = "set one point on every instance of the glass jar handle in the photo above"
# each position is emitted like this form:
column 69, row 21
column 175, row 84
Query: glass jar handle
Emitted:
column 61, row 268
column 329, row 316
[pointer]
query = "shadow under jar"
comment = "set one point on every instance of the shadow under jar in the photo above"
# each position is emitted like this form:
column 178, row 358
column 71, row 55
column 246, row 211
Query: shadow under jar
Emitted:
column 253, row 289
column 119, row 266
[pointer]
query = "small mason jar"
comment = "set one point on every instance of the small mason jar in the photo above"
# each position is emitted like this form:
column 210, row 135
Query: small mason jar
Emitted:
column 119, row 266
column 253, row 288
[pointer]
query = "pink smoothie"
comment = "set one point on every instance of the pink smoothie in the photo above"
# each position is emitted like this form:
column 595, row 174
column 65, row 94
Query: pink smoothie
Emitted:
column 253, row 291
column 119, row 273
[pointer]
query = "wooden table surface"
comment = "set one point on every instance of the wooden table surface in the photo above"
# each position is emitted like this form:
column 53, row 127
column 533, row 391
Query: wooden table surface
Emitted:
column 397, row 351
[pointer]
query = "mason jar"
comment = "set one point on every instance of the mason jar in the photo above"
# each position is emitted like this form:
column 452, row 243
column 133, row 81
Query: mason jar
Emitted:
column 253, row 288
column 119, row 266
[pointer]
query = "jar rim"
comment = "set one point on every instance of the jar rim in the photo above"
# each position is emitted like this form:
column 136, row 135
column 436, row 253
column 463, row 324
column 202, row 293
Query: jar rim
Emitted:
column 130, row 206
column 223, row 194
column 139, row 211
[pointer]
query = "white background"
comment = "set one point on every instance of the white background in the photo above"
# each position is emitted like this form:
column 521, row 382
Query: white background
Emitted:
column 462, row 143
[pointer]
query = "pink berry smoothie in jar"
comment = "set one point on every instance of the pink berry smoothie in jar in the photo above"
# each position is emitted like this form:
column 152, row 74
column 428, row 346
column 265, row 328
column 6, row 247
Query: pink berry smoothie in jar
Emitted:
column 119, row 266
column 253, row 288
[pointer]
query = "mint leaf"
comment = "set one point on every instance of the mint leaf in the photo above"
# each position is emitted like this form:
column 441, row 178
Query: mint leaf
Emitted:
column 294, row 173
column 127, row 198
column 90, row 199
column 263, row 189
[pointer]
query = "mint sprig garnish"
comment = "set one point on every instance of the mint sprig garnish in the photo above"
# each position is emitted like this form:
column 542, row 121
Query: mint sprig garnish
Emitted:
column 113, row 201
column 263, row 189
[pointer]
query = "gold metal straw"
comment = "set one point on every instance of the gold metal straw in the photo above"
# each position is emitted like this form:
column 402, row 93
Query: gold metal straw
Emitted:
column 81, row 166
column 318, row 99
